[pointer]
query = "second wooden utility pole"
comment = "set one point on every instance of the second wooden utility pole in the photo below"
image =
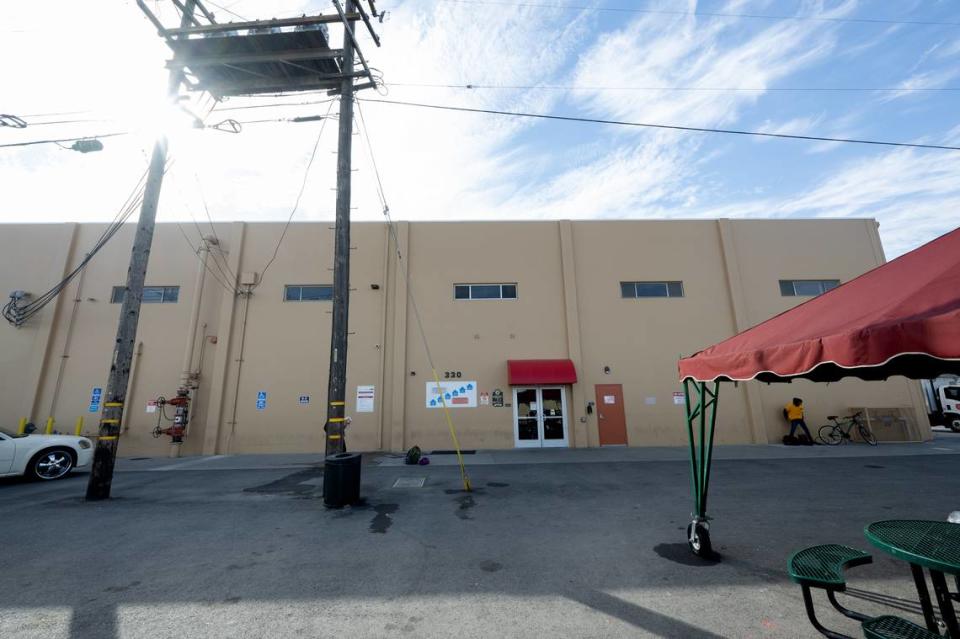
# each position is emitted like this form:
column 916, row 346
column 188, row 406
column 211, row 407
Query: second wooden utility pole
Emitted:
column 105, row 454
column 337, row 384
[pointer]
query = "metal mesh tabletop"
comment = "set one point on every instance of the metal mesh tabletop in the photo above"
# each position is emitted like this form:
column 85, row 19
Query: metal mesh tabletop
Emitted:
column 932, row 544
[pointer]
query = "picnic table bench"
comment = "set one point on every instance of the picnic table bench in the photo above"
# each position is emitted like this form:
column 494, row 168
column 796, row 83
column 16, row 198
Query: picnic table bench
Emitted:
column 923, row 544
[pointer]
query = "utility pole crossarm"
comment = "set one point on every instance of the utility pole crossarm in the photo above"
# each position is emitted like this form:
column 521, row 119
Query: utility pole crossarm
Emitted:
column 348, row 36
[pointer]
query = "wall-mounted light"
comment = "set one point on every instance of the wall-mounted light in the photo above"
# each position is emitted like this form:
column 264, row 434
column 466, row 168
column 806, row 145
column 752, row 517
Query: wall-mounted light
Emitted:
column 606, row 370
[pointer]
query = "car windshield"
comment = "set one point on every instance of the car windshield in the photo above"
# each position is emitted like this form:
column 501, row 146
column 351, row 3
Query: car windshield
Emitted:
column 10, row 433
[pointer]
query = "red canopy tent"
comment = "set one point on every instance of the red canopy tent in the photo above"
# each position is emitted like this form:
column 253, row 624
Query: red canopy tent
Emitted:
column 901, row 318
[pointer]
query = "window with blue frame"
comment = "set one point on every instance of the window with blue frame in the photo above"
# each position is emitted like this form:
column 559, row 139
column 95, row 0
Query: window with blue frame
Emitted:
column 151, row 294
column 629, row 290
column 308, row 292
column 485, row 291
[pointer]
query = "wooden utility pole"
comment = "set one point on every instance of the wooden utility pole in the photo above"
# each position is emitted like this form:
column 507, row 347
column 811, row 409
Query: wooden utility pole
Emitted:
column 105, row 454
column 337, row 384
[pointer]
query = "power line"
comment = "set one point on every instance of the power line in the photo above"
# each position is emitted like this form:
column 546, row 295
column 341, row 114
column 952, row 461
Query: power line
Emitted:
column 672, row 127
column 413, row 302
column 58, row 113
column 213, row 229
column 57, row 140
column 225, row 281
column 264, row 106
column 551, row 87
column 705, row 14
column 303, row 186
column 16, row 314
column 233, row 13
column 196, row 253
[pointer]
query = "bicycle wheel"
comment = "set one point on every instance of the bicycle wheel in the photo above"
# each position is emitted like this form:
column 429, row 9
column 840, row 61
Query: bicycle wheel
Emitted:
column 867, row 435
column 829, row 435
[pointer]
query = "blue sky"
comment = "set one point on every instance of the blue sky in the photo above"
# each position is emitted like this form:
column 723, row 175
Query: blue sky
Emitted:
column 443, row 165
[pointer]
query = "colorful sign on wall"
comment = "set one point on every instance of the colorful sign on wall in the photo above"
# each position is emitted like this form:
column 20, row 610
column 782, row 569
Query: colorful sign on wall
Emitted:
column 456, row 394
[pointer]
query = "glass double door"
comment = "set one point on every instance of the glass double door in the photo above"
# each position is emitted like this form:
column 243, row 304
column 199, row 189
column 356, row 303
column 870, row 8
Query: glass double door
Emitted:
column 540, row 416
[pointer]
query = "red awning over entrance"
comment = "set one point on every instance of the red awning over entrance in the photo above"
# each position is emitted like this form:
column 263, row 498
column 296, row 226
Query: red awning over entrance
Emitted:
column 901, row 318
column 521, row 372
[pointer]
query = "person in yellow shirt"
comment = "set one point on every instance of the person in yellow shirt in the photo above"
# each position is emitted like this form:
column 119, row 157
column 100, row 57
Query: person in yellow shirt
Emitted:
column 794, row 414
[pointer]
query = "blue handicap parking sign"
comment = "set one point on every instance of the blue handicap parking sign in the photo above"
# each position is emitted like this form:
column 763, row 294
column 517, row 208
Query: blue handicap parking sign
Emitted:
column 262, row 395
column 95, row 396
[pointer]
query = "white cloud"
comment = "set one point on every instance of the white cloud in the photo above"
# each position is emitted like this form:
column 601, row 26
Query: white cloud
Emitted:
column 796, row 126
column 918, row 83
column 446, row 165
column 915, row 195
column 642, row 173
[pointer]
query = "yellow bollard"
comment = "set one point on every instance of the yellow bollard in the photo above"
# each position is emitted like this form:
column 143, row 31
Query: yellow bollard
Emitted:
column 79, row 429
column 49, row 429
column 23, row 426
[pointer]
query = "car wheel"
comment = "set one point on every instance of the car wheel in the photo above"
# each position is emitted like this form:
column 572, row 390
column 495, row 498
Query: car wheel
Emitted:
column 954, row 423
column 51, row 464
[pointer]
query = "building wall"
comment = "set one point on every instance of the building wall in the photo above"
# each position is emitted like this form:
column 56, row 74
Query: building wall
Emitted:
column 568, row 306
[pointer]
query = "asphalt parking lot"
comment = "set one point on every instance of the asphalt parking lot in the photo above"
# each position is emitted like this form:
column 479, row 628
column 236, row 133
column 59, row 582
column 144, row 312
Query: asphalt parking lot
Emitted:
column 588, row 546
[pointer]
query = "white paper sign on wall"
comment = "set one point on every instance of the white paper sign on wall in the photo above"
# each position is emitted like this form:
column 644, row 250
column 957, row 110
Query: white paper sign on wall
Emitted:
column 650, row 401
column 365, row 397
column 678, row 398
column 609, row 399
column 456, row 394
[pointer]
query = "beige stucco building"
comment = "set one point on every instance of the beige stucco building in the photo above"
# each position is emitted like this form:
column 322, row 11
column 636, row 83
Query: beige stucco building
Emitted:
column 621, row 300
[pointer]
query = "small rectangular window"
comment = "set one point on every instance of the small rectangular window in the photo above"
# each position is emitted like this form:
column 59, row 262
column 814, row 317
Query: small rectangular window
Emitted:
column 631, row 290
column 151, row 294
column 485, row 291
column 308, row 292
column 806, row 288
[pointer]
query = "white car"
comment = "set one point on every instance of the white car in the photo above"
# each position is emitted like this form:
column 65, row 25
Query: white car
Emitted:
column 43, row 457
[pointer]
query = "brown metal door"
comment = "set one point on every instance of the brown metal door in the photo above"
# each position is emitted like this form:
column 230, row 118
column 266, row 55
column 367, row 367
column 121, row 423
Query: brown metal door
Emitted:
column 611, row 420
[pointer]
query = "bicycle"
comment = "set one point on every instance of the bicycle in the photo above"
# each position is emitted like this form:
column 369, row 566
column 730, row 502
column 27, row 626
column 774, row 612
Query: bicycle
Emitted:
column 834, row 434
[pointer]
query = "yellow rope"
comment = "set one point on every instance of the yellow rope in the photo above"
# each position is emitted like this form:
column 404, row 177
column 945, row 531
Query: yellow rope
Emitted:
column 453, row 434
column 413, row 303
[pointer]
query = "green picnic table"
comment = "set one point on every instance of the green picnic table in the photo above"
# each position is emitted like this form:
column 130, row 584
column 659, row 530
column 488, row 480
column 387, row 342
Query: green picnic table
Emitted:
column 934, row 545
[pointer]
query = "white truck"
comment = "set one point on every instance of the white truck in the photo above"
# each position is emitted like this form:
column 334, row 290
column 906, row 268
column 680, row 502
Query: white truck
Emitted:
column 943, row 401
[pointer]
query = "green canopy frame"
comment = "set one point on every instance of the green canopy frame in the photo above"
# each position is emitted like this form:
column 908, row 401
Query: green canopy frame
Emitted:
column 701, row 403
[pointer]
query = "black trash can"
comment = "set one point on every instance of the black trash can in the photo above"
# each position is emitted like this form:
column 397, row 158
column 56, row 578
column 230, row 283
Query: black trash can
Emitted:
column 341, row 479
